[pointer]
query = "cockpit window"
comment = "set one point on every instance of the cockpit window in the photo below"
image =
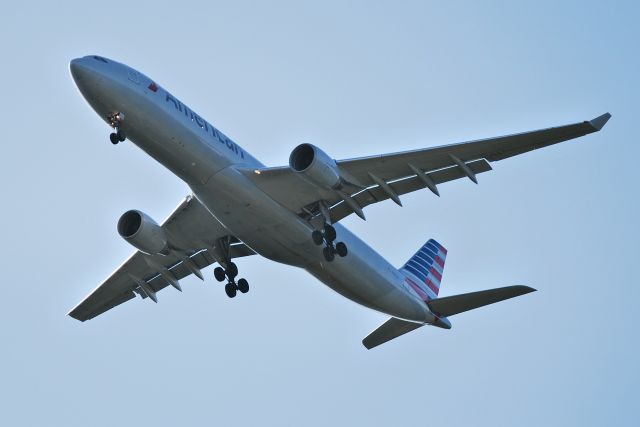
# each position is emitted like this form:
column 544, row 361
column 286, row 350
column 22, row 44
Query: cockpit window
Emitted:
column 100, row 58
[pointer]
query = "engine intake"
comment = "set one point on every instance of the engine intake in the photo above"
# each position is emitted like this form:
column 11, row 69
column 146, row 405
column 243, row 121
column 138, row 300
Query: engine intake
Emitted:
column 143, row 233
column 315, row 166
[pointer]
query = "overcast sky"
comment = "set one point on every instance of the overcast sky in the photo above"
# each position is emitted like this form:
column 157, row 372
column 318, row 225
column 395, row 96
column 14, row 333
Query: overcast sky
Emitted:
column 354, row 78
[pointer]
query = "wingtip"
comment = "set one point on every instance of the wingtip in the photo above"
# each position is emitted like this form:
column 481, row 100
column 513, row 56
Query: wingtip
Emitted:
column 599, row 122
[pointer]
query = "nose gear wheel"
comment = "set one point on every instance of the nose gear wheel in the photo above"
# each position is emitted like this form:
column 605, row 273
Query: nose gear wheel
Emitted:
column 115, row 121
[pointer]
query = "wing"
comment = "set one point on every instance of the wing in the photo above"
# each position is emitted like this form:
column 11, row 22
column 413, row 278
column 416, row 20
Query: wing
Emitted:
column 201, row 240
column 388, row 176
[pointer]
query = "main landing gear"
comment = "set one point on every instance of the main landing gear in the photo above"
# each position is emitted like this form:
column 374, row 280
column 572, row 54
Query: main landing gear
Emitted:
column 229, row 274
column 327, row 236
column 115, row 121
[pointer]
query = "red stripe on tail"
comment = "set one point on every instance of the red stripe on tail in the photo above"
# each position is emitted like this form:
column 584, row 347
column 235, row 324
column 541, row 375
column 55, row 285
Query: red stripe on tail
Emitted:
column 432, row 286
column 419, row 290
column 433, row 271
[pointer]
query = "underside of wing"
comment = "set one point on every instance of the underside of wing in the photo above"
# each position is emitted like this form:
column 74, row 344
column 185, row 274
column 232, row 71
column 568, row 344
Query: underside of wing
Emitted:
column 396, row 165
column 198, row 240
column 373, row 179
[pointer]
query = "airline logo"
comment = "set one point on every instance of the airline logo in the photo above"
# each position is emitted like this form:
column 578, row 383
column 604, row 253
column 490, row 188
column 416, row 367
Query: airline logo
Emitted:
column 424, row 270
column 203, row 124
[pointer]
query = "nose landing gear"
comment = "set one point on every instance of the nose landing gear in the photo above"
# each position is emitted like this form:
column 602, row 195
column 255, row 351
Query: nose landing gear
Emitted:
column 328, row 236
column 115, row 121
column 230, row 274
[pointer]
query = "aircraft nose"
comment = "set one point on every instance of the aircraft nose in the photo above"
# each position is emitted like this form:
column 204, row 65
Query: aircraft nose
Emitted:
column 78, row 69
column 87, row 76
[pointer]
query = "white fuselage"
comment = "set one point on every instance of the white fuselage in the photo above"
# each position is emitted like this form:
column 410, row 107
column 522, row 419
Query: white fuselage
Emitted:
column 211, row 164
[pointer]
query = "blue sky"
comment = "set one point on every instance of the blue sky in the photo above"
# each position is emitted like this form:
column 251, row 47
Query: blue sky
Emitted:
column 355, row 78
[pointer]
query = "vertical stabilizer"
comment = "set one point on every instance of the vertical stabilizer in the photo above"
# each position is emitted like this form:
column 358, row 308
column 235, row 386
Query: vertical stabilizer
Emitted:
column 423, row 271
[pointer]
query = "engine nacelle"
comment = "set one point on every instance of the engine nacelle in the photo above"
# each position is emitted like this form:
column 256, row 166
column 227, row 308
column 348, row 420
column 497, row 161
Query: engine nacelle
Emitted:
column 315, row 166
column 143, row 233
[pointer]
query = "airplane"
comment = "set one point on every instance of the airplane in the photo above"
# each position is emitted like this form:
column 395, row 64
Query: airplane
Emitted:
column 289, row 214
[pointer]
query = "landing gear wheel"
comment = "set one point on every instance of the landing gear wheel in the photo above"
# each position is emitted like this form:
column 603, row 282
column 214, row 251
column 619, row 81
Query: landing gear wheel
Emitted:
column 121, row 135
column 218, row 273
column 329, row 233
column 114, row 138
column 243, row 286
column 341, row 249
column 317, row 237
column 230, row 289
column 328, row 253
column 232, row 270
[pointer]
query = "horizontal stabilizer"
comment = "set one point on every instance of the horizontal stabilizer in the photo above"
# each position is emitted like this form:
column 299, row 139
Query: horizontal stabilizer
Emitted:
column 448, row 306
column 389, row 330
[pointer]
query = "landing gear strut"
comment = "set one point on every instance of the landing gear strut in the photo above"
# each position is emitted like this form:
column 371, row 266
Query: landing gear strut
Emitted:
column 327, row 237
column 229, row 274
column 115, row 121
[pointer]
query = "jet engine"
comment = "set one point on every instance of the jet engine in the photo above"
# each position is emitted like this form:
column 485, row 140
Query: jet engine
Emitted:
column 315, row 166
column 142, row 232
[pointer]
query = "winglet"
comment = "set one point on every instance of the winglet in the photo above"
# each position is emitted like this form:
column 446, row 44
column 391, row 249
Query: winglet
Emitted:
column 599, row 122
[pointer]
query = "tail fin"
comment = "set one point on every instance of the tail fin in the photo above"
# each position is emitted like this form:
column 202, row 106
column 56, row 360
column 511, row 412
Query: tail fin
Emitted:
column 424, row 270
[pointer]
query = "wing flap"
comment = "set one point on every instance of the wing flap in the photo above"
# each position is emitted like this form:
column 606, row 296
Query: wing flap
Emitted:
column 404, row 186
column 201, row 259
